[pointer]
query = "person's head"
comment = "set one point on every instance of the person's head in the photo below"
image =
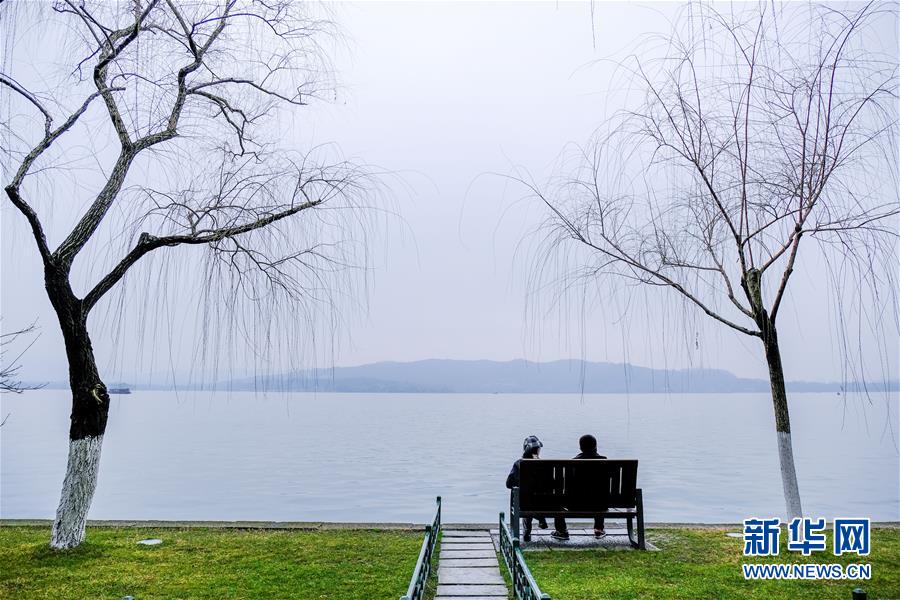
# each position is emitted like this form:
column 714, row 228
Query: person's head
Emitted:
column 531, row 447
column 587, row 443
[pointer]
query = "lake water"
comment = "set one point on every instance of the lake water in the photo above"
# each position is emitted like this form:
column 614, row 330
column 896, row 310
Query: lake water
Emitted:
column 380, row 457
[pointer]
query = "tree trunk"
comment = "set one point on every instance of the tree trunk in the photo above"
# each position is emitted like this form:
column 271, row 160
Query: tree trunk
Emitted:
column 90, row 409
column 753, row 286
column 782, row 425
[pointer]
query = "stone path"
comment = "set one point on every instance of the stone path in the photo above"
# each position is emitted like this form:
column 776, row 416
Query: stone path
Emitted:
column 468, row 567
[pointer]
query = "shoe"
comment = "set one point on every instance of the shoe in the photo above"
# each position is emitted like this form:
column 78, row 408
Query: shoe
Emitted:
column 558, row 535
column 526, row 537
column 599, row 533
column 543, row 524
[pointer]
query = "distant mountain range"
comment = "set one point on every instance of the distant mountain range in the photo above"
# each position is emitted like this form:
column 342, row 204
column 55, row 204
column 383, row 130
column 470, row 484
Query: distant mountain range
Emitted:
column 521, row 377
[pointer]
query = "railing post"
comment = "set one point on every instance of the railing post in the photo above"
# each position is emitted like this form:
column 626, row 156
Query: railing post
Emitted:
column 514, row 512
column 419, row 579
column 515, row 566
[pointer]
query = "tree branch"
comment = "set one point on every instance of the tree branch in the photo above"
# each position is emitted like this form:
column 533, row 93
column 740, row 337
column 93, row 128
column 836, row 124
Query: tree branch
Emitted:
column 16, row 87
column 36, row 229
column 147, row 243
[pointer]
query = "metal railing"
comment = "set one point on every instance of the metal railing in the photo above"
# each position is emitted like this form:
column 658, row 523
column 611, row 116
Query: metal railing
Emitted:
column 416, row 589
column 523, row 583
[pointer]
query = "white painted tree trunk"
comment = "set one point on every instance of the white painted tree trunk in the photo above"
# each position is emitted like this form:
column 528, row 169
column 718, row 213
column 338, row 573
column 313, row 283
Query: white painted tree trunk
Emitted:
column 789, row 475
column 77, row 492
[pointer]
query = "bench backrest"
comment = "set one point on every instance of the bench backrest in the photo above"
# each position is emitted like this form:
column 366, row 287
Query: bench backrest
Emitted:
column 573, row 485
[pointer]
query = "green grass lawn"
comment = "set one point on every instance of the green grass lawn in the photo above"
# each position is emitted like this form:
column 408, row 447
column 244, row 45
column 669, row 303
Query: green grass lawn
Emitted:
column 209, row 563
column 702, row 563
column 348, row 564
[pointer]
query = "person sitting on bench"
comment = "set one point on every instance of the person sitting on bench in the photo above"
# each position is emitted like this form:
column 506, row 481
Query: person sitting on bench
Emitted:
column 588, row 445
column 531, row 449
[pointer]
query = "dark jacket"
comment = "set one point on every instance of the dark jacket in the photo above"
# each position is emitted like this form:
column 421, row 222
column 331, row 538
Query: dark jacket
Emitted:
column 589, row 455
column 512, row 480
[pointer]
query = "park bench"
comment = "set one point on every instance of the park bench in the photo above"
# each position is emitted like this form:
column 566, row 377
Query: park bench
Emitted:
column 579, row 489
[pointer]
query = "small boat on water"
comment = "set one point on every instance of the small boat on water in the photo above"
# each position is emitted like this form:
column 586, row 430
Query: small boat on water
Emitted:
column 120, row 389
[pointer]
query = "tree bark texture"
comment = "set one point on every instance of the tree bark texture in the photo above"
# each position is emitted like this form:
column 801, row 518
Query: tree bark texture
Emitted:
column 90, row 410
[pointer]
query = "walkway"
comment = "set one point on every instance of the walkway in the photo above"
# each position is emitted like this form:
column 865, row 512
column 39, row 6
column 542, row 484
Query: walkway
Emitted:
column 468, row 567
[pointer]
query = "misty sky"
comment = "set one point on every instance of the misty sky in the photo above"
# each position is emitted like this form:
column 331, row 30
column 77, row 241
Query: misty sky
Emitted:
column 448, row 97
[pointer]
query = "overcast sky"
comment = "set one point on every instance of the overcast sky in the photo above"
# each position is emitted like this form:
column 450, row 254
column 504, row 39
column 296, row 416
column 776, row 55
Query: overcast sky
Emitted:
column 446, row 96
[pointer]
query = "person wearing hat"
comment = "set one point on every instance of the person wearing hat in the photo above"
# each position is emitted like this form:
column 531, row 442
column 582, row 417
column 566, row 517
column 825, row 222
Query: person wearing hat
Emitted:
column 531, row 448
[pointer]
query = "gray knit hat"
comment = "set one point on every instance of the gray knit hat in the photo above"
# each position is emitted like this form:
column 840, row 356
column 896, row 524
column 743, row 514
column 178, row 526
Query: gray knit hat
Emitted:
column 531, row 442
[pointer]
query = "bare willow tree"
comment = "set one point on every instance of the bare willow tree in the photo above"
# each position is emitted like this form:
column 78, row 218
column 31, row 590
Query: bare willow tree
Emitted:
column 192, row 97
column 756, row 133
